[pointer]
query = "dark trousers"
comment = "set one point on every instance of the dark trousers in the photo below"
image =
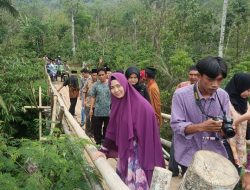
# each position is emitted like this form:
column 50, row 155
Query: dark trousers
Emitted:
column 72, row 105
column 88, row 127
column 173, row 165
column 99, row 131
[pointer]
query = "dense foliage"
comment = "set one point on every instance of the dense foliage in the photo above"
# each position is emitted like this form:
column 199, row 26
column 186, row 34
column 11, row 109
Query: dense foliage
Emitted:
column 52, row 164
column 168, row 34
column 19, row 78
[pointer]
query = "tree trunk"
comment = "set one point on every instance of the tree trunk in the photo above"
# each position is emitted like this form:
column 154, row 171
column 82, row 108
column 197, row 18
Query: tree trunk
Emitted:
column 73, row 33
column 237, row 43
column 228, row 39
column 161, row 179
column 135, row 32
column 222, row 31
column 210, row 171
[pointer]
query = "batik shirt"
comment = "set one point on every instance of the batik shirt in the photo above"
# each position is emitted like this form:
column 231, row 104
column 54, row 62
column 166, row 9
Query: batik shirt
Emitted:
column 101, row 93
column 87, row 89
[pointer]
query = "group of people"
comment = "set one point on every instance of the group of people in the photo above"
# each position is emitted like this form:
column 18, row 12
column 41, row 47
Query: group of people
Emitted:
column 123, row 113
column 55, row 68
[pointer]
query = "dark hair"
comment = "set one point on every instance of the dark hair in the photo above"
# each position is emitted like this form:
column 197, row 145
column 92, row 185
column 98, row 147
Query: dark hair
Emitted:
column 84, row 70
column 151, row 72
column 192, row 68
column 107, row 68
column 94, row 71
column 119, row 71
column 212, row 67
column 101, row 69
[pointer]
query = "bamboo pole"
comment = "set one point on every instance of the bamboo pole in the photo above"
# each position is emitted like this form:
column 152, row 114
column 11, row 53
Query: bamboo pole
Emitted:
column 94, row 185
column 166, row 142
column 165, row 116
column 40, row 113
column 60, row 115
column 53, row 122
column 37, row 107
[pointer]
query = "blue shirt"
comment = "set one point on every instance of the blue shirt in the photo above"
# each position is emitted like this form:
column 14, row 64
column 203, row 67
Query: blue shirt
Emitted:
column 186, row 112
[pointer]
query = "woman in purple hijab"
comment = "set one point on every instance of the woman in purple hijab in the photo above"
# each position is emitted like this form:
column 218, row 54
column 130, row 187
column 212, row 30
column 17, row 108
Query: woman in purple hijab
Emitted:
column 133, row 134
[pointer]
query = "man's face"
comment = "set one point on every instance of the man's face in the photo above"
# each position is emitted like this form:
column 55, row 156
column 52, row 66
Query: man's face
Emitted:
column 108, row 74
column 193, row 76
column 210, row 85
column 102, row 76
column 94, row 76
column 85, row 75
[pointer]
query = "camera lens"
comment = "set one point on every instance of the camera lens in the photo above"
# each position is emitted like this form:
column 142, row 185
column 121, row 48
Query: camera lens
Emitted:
column 230, row 132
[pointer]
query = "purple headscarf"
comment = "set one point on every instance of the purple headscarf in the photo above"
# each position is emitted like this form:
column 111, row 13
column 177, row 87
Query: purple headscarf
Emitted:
column 133, row 118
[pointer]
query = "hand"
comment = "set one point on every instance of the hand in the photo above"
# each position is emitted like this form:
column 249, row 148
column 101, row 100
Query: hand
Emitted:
column 236, row 123
column 98, row 154
column 246, row 181
column 211, row 125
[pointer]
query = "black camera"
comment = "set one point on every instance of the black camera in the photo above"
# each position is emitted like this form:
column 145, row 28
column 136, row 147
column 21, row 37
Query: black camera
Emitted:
column 227, row 127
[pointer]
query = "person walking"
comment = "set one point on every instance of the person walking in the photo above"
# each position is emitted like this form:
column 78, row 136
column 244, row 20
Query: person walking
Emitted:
column 85, row 77
column 154, row 93
column 73, row 84
column 86, row 94
column 100, row 106
column 133, row 134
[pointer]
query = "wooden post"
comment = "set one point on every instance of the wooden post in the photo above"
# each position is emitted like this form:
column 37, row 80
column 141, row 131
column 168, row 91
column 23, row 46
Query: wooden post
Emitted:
column 40, row 113
column 210, row 171
column 60, row 115
column 53, row 118
column 35, row 107
column 40, row 108
column 161, row 179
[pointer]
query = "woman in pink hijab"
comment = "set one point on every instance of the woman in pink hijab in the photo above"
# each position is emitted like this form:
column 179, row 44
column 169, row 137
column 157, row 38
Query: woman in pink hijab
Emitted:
column 133, row 134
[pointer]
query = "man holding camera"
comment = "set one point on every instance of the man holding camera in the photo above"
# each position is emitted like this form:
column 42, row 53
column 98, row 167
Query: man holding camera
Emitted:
column 196, row 113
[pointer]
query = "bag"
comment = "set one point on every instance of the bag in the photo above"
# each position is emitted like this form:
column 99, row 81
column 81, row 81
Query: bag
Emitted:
column 248, row 131
column 73, row 92
column 73, row 87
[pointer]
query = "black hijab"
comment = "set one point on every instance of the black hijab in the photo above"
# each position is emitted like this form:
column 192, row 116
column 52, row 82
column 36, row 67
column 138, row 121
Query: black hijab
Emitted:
column 238, row 84
column 134, row 70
